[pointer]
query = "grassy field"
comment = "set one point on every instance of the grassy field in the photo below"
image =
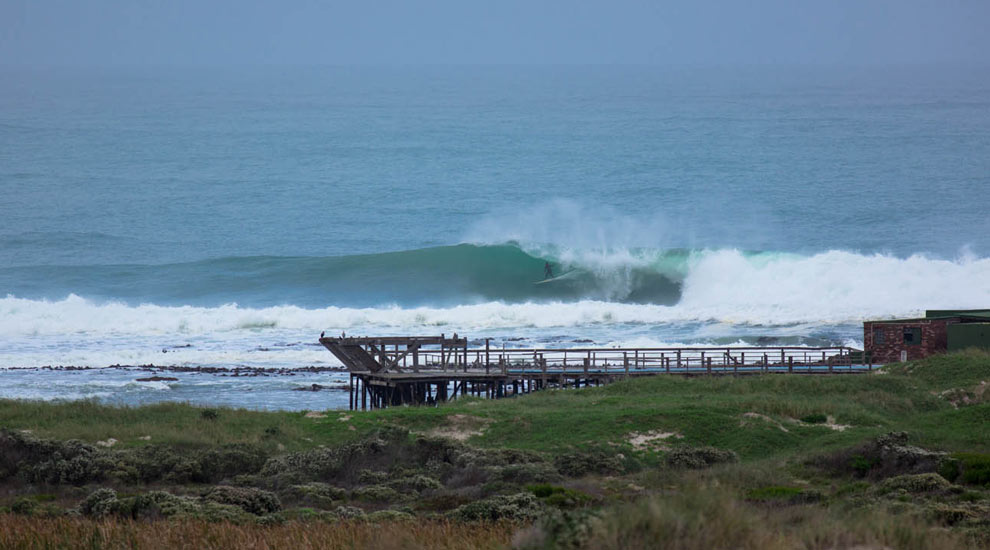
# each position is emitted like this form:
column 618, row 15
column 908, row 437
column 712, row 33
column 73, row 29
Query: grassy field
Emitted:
column 773, row 461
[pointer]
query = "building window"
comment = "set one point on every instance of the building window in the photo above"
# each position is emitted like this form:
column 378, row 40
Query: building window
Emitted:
column 912, row 336
column 878, row 337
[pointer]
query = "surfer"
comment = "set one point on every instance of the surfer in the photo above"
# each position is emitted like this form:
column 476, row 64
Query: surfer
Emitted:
column 547, row 271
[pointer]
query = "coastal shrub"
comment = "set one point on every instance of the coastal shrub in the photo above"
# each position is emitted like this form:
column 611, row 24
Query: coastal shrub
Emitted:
column 885, row 456
column 696, row 458
column 520, row 506
column 816, row 418
column 415, row 483
column 255, row 501
column 157, row 504
column 560, row 497
column 377, row 493
column 39, row 460
column 349, row 512
column 316, row 494
column 231, row 460
column 81, row 464
column 270, row 520
column 100, row 503
column 160, row 504
column 442, row 502
column 371, row 477
column 559, row 530
column 974, row 468
column 24, row 506
column 209, row 414
column 379, row 451
column 914, row 484
column 951, row 515
column 592, row 461
column 533, row 472
column 159, row 463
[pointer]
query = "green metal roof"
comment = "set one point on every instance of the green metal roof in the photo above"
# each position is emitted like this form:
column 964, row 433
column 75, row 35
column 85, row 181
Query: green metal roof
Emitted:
column 939, row 313
column 967, row 315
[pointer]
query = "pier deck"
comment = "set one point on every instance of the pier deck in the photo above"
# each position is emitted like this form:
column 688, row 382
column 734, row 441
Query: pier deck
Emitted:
column 398, row 370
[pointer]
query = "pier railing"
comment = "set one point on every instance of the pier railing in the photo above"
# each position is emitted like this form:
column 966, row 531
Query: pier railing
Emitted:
column 645, row 360
column 441, row 354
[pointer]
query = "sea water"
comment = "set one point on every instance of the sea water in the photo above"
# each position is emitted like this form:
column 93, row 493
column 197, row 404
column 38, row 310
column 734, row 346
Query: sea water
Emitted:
column 223, row 218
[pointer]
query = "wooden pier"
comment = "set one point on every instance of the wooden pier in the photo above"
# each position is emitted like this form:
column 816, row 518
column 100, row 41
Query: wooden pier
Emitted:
column 399, row 370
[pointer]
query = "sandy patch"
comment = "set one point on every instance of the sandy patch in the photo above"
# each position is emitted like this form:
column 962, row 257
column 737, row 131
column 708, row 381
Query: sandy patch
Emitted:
column 109, row 442
column 653, row 440
column 344, row 418
column 958, row 397
column 763, row 417
column 145, row 438
column 315, row 414
column 830, row 422
column 461, row 427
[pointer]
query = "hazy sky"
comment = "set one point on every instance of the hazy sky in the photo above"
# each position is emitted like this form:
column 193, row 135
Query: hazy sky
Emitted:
column 222, row 32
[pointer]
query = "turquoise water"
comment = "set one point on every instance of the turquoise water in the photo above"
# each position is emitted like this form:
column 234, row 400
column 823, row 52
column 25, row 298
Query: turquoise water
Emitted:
column 228, row 217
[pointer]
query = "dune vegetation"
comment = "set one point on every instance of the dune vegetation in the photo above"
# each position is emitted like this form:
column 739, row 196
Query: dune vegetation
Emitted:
column 899, row 458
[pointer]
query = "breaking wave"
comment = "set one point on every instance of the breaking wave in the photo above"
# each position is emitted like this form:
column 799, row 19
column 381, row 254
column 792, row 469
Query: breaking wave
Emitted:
column 726, row 286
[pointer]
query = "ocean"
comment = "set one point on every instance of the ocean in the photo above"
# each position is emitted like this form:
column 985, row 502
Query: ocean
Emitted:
column 223, row 218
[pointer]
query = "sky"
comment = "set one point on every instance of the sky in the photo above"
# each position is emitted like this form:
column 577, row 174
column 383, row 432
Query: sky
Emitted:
column 415, row 32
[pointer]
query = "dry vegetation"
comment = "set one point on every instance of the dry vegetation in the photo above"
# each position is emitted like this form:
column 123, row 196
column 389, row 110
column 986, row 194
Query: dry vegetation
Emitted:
column 26, row 533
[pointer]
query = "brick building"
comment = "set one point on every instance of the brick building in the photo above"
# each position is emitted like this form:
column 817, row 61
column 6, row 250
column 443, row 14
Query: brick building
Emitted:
column 938, row 331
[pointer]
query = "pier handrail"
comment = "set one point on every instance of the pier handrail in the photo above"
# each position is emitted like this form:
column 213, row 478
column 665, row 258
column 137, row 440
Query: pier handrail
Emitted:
column 438, row 353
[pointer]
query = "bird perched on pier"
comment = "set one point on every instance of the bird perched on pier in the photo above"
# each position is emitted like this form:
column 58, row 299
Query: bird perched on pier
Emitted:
column 322, row 333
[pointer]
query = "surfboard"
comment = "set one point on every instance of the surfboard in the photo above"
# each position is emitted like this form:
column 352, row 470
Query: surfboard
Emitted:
column 557, row 278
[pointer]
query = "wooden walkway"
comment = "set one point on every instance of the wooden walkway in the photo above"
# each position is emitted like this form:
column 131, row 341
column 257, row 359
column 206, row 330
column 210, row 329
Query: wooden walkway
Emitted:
column 398, row 370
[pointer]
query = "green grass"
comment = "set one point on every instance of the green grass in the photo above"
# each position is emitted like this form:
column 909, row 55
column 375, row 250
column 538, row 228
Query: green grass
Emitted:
column 701, row 411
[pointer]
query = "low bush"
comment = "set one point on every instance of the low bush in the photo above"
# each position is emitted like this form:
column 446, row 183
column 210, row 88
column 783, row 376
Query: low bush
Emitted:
column 560, row 497
column 697, row 458
column 558, row 529
column 250, row 500
column 816, row 418
column 442, row 502
column 228, row 461
column 592, row 461
column 520, row 506
column 914, row 484
column 320, row 495
column 415, row 483
column 533, row 472
column 974, row 468
column 376, row 493
column 882, row 457
column 349, row 512
column 100, row 503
